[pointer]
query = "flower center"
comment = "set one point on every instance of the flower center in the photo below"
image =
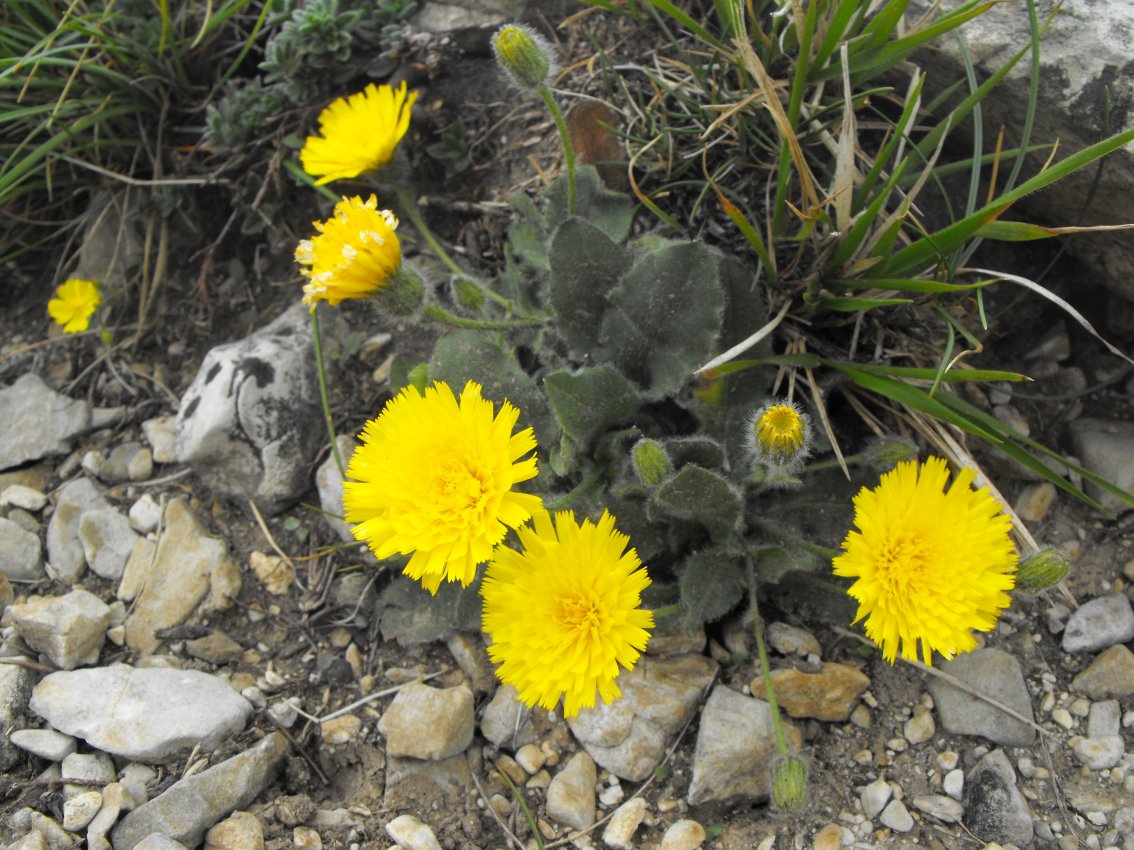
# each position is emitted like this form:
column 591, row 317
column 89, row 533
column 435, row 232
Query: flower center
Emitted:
column 459, row 490
column 780, row 428
column 580, row 614
column 903, row 563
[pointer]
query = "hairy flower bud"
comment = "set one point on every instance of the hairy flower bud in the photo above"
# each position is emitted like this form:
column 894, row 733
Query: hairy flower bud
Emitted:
column 789, row 783
column 403, row 294
column 525, row 55
column 1046, row 568
column 779, row 435
column 885, row 453
column 651, row 463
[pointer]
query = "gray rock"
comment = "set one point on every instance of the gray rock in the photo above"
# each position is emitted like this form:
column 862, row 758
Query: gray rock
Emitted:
column 1111, row 674
column 875, row 796
column 129, row 461
column 683, row 834
column 994, row 807
column 107, row 540
column 428, row 723
column 507, row 722
column 249, row 422
column 79, row 769
column 997, row 674
column 1106, row 448
column 1104, row 718
column 410, row 833
column 145, row 514
column 1099, row 623
column 54, row 836
column 64, row 549
column 15, row 691
column 67, row 629
column 468, row 651
column 115, row 800
column 939, row 806
column 1086, row 56
column 80, row 810
column 21, row 553
column 161, row 434
column 787, row 639
column 149, row 714
column 629, row 736
column 734, row 750
column 619, row 832
column 36, row 421
column 571, row 794
column 897, row 817
column 45, row 743
column 329, row 483
column 186, row 810
column 21, row 496
column 1101, row 752
column 190, row 571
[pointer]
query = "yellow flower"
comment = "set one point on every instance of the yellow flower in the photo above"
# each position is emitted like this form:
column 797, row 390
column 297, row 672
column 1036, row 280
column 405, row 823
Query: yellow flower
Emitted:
column 434, row 478
column 779, row 434
column 564, row 614
column 74, row 303
column 931, row 565
column 355, row 254
column 359, row 133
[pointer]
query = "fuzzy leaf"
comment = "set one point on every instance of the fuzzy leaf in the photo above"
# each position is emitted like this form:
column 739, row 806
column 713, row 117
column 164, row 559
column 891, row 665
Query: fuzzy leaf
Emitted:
column 701, row 495
column 611, row 212
column 701, row 451
column 528, row 233
column 585, row 264
column 590, row 401
column 712, row 582
column 665, row 317
column 815, row 597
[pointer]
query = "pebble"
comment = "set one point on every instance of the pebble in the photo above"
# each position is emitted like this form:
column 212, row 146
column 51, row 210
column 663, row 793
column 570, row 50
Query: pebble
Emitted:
column 341, row 730
column 1104, row 718
column 80, row 809
column 468, row 652
column 15, row 690
column 994, row 807
column 860, row 717
column 1111, row 674
column 239, row 831
column 36, row 421
column 943, row 808
column 107, row 539
column 216, row 647
column 1099, row 753
column 69, row 629
column 55, row 837
column 21, row 553
column 136, row 778
column 64, row 549
column 1099, row 623
column 875, row 796
column 157, row 841
column 1062, row 717
column 1105, row 447
column 683, row 834
column 954, row 783
column 919, row 728
column 897, row 817
column 147, row 714
column 115, row 800
column 88, row 768
column 619, row 832
column 531, row 758
column 22, row 496
column 428, row 723
column 829, row 695
column 160, row 433
column 792, row 640
column 145, row 514
column 306, row 838
column 571, row 794
column 411, row 834
column 831, row 837
column 997, row 674
column 611, row 795
column 274, row 573
column 45, row 743
column 1035, row 501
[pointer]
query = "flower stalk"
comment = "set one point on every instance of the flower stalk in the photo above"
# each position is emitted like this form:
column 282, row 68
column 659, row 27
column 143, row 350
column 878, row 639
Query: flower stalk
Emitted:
column 323, row 395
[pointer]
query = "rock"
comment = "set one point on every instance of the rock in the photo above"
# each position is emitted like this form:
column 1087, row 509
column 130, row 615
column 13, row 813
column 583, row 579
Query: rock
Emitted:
column 468, row 652
column 276, row 574
column 54, row 836
column 1111, row 674
column 997, row 674
column 129, row 461
column 157, row 841
column 832, row 837
column 6, row 593
column 107, row 540
column 15, row 691
column 161, row 434
column 115, row 800
column 21, row 553
column 531, row 758
column 507, row 722
column 919, row 728
column 1106, row 448
column 135, row 778
column 80, row 810
column 216, row 647
column 1104, row 718
column 620, row 829
column 148, row 714
column 32, row 841
column 1099, row 753
column 450, row 778
column 830, row 694
column 994, row 807
column 190, row 806
column 734, row 750
column 875, row 796
column 672, row 637
column 80, row 770
column 571, row 795
column 329, row 483
column 1035, row 501
column 189, row 570
column 69, row 629
column 1100, row 623
column 22, row 496
column 683, row 834
column 428, row 723
column 64, row 549
column 306, row 838
column 897, row 817
column 792, row 640
column 45, row 743
column 145, row 514
column 954, row 783
column 239, row 831
column 251, row 417
column 36, row 421
column 340, row 730
column 629, row 736
column 943, row 808
column 411, row 834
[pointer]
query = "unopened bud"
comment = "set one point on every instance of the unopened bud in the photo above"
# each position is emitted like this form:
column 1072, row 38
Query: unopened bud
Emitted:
column 651, row 463
column 885, row 453
column 789, row 783
column 524, row 55
column 1042, row 570
column 468, row 294
column 403, row 294
column 779, row 435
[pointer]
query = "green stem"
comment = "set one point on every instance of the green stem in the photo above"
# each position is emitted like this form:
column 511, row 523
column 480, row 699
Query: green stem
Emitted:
column 565, row 137
column 583, row 487
column 439, row 314
column 765, row 670
column 323, row 391
column 665, row 611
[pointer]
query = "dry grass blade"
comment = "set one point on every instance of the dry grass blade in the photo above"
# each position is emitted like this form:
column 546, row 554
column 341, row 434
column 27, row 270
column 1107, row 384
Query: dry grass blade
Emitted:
column 842, row 189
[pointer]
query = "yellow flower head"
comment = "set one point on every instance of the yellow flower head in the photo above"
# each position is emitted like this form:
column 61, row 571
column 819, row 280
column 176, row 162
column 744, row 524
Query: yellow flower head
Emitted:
column 931, row 564
column 564, row 614
column 359, row 133
column 434, row 477
column 525, row 55
column 74, row 303
column 779, row 434
column 355, row 254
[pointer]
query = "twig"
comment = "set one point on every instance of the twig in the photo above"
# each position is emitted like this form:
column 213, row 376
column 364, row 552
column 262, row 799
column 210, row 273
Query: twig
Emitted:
column 346, row 709
column 271, row 540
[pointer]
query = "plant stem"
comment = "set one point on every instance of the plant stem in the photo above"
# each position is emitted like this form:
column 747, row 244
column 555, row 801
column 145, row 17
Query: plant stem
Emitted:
column 758, row 628
column 439, row 314
column 565, row 137
column 323, row 392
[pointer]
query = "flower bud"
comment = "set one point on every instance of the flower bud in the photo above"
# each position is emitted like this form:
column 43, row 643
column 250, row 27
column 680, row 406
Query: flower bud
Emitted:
column 789, row 783
column 524, row 55
column 885, row 453
column 468, row 294
column 1046, row 568
column 651, row 463
column 403, row 294
column 779, row 435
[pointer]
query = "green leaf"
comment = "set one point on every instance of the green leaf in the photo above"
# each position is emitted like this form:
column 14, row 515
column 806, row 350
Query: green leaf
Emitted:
column 697, row 450
column 703, row 496
column 611, row 212
column 712, row 583
column 590, row 401
column 585, row 264
column 853, row 305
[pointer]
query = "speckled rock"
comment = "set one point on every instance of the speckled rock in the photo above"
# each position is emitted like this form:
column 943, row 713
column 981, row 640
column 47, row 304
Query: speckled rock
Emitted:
column 21, row 552
column 830, row 694
column 1111, row 674
column 428, row 723
column 15, row 691
column 994, row 807
column 67, row 629
column 620, row 829
column 571, row 795
column 1099, row 623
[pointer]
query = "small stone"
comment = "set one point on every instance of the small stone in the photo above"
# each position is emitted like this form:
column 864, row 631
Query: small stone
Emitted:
column 107, row 540
column 505, row 721
column 87, row 768
column 1110, row 675
column 274, row 573
column 67, row 629
column 1100, row 753
column 954, row 783
column 530, row 758
column 897, row 817
column 115, row 800
column 875, row 796
column 36, row 421
column 306, row 838
column 428, row 723
column 1104, row 718
column 141, row 465
column 827, row 695
column 997, row 674
column 45, row 743
column 20, row 496
column 160, row 433
column 21, row 553
column 943, row 808
column 145, row 514
column 470, row 656
column 994, row 807
column 329, row 484
column 340, row 730
column 79, row 810
column 829, row 837
column 1100, row 623
column 1062, row 717
column 571, row 795
column 239, row 831
column 611, row 796
column 411, row 834
column 792, row 640
column 920, row 728
column 860, row 717
column 684, row 834
column 619, row 832
column 1035, row 501
column 216, row 647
